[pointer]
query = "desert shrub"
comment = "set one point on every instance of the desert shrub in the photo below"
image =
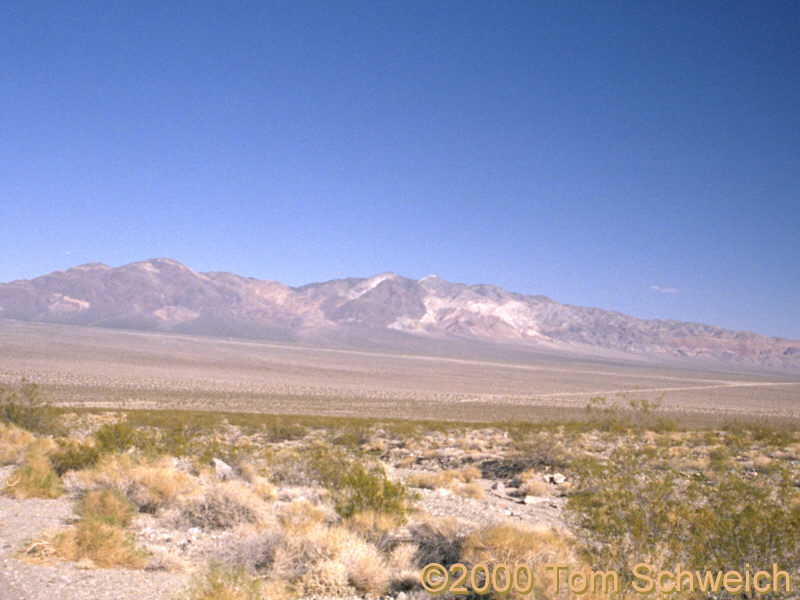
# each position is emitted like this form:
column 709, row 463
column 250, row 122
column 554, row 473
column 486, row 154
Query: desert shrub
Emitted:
column 360, row 489
column 115, row 437
column 366, row 570
column 352, row 437
column 508, row 544
column 108, row 506
column 203, row 451
column 288, row 467
column 429, row 481
column 469, row 474
column 771, row 435
column 35, row 477
column 471, row 490
column 149, row 485
column 326, row 578
column 283, row 430
column 73, row 456
column 23, row 406
column 640, row 414
column 104, row 544
column 334, row 560
column 300, row 516
column 223, row 583
column 405, row 574
column 438, row 541
column 221, row 507
column 157, row 485
column 255, row 552
column 355, row 487
column 743, row 520
column 169, row 438
column 373, row 526
column 638, row 506
column 632, row 507
column 459, row 482
column 534, row 484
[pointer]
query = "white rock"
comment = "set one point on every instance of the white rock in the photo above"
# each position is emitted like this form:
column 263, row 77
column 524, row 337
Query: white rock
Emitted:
column 221, row 469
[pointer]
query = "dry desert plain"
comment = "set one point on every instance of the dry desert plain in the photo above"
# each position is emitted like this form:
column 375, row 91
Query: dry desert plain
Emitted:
column 104, row 368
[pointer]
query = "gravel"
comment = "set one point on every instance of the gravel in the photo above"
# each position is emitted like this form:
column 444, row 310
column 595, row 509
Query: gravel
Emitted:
column 23, row 521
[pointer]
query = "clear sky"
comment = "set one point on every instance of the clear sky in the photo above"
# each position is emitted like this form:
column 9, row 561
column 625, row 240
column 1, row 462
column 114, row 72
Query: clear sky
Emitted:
column 637, row 156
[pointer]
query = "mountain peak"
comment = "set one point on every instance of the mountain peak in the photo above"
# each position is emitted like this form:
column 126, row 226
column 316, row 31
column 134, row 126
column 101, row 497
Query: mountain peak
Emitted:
column 164, row 294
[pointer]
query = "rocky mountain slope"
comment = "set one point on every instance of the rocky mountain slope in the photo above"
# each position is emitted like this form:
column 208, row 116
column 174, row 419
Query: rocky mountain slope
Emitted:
column 164, row 295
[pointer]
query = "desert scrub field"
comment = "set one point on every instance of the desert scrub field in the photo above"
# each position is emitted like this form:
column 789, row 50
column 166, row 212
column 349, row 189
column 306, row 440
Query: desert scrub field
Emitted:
column 262, row 506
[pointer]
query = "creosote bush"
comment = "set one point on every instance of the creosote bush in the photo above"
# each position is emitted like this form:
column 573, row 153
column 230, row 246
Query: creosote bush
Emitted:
column 360, row 489
column 73, row 456
column 23, row 406
column 355, row 487
column 639, row 506
column 115, row 437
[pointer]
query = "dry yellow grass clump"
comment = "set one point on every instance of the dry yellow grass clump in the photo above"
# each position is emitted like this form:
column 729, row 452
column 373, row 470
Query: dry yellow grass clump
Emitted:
column 534, row 484
column 35, row 477
column 503, row 543
column 104, row 544
column 371, row 525
column 461, row 482
column 300, row 515
column 13, row 442
column 150, row 486
column 343, row 562
column 108, row 506
column 220, row 583
column 223, row 505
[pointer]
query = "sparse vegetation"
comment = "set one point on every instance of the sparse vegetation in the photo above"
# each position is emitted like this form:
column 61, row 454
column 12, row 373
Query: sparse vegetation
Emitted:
column 35, row 477
column 115, row 437
column 97, row 540
column 108, row 506
column 73, row 456
column 320, row 506
column 220, row 583
column 22, row 405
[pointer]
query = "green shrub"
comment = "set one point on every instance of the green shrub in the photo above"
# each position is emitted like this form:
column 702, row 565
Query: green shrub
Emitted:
column 354, row 486
column 629, row 508
column 73, row 456
column 743, row 520
column 283, row 430
column 23, row 406
column 115, row 437
column 357, row 488
column 639, row 506
column 204, row 450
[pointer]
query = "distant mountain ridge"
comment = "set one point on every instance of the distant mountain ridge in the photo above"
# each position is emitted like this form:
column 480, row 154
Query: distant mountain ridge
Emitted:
column 165, row 295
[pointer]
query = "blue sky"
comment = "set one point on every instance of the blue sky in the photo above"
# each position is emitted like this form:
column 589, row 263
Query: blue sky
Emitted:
column 637, row 156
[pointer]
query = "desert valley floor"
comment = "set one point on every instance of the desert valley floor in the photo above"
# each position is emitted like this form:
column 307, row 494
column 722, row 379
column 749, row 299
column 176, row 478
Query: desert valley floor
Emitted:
column 121, row 369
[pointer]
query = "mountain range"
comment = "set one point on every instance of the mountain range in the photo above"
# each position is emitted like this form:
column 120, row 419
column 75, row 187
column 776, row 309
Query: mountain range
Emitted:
column 165, row 295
